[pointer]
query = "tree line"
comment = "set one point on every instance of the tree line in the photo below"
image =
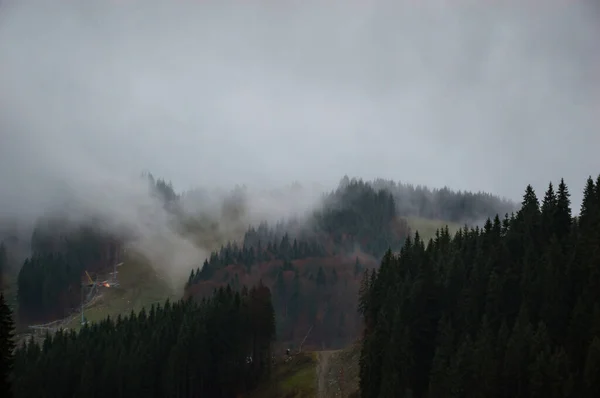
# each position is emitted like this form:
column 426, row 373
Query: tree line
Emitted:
column 217, row 347
column 7, row 347
column 232, row 254
column 508, row 310
column 444, row 203
column 356, row 214
column 49, row 280
column 353, row 217
column 311, row 266
column 3, row 263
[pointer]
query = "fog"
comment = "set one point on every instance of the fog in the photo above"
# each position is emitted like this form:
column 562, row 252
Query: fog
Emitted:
column 479, row 95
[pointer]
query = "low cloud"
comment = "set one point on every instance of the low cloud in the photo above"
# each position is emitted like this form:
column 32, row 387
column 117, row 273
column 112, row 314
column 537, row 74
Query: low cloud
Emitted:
column 473, row 95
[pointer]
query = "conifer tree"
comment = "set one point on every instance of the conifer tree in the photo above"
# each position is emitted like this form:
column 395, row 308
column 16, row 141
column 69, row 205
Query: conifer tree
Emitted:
column 563, row 221
column 181, row 349
column 511, row 309
column 3, row 264
column 6, row 348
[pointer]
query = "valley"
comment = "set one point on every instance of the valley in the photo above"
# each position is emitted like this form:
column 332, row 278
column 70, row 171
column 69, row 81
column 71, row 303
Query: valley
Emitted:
column 142, row 285
column 330, row 307
column 392, row 199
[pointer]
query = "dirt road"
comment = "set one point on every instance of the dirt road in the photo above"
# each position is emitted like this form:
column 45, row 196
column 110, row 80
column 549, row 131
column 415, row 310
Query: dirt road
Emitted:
column 338, row 372
column 322, row 372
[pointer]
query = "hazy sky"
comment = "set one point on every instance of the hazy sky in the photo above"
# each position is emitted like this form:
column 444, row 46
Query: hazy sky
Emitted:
column 483, row 95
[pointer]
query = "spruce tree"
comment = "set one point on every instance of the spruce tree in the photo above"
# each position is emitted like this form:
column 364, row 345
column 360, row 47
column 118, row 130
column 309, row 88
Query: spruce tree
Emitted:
column 563, row 220
column 3, row 264
column 513, row 305
column 6, row 348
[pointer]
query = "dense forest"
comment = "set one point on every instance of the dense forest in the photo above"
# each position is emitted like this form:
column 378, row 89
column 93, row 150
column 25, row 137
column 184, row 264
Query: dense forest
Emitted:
column 310, row 288
column 3, row 263
column 443, row 203
column 61, row 251
column 49, row 280
column 355, row 225
column 7, row 347
column 508, row 310
column 313, row 268
column 218, row 347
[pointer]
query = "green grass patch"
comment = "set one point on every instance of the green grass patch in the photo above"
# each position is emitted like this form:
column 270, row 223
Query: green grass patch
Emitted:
column 427, row 227
column 295, row 379
column 140, row 286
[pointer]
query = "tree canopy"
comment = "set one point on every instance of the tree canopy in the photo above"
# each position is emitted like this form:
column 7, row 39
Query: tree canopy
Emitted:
column 511, row 309
column 219, row 347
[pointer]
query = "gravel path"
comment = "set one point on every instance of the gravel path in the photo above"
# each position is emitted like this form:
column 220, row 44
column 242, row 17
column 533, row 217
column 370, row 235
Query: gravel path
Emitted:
column 322, row 372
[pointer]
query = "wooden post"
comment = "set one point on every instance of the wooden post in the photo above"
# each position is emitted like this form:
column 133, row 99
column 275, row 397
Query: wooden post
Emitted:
column 300, row 348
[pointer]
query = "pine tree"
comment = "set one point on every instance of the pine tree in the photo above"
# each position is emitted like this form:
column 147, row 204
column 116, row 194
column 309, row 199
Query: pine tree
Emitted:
column 549, row 212
column 490, row 286
column 592, row 369
column 589, row 206
column 563, row 217
column 3, row 264
column 321, row 278
column 6, row 348
column 357, row 267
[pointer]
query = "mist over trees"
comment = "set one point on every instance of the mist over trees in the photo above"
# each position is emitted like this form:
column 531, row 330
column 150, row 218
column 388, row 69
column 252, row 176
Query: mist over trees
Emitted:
column 49, row 280
column 357, row 217
column 314, row 265
column 62, row 247
column 488, row 96
column 3, row 263
column 511, row 309
column 444, row 203
column 507, row 309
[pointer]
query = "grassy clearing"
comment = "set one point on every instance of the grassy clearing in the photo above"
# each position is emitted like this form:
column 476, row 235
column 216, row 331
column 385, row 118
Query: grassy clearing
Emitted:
column 140, row 286
column 295, row 379
column 427, row 227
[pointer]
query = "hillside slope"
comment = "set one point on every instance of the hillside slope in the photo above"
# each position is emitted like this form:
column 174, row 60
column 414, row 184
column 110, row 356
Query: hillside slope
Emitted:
column 314, row 374
column 318, row 292
column 140, row 286
column 311, row 292
column 294, row 378
column 428, row 227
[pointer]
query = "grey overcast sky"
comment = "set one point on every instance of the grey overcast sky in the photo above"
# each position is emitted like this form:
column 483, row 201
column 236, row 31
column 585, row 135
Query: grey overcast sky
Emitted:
column 480, row 95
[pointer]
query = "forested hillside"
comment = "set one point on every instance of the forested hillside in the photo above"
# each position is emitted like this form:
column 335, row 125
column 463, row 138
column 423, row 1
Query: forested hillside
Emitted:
column 319, row 258
column 445, row 203
column 508, row 310
column 3, row 264
column 62, row 250
column 219, row 347
column 49, row 280
column 314, row 268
